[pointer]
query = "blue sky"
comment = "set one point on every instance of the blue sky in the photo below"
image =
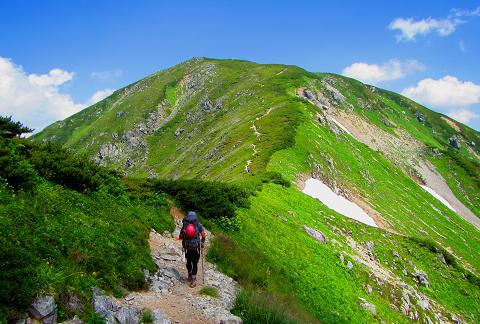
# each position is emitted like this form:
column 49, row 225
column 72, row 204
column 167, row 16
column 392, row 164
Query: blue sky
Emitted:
column 56, row 57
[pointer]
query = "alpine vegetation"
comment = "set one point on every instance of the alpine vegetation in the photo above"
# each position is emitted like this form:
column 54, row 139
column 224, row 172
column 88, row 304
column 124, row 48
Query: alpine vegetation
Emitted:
column 322, row 199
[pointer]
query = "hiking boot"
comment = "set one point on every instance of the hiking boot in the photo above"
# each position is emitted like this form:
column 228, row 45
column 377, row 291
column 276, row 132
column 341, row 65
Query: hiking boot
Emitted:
column 193, row 284
column 189, row 278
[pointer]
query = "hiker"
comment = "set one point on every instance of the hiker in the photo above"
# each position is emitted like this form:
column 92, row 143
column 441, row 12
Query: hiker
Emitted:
column 193, row 239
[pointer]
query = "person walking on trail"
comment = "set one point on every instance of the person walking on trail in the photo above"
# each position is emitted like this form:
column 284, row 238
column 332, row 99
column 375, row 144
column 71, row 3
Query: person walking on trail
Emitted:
column 193, row 239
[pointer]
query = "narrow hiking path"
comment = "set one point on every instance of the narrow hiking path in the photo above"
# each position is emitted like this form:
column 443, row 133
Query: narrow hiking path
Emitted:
column 169, row 291
column 257, row 134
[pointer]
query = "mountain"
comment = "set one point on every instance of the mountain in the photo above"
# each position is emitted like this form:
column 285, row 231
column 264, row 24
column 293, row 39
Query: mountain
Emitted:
column 410, row 175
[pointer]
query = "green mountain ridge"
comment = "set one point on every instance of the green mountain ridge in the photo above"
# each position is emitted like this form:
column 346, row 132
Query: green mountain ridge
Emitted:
column 241, row 122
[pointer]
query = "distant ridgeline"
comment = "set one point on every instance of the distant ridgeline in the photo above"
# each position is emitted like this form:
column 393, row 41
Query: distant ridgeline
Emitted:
column 266, row 130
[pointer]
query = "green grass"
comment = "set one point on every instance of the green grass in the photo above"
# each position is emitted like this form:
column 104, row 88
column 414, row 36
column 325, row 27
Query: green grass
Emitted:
column 209, row 291
column 268, row 256
column 57, row 241
column 147, row 317
column 282, row 259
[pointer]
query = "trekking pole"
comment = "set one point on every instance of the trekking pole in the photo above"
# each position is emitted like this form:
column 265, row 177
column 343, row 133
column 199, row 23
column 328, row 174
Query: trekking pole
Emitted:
column 203, row 265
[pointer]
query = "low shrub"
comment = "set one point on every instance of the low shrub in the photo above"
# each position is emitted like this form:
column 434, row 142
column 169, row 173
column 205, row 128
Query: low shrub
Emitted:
column 212, row 200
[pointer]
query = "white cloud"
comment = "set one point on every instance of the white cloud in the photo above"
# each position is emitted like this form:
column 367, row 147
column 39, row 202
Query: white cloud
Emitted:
column 463, row 115
column 34, row 99
column 445, row 92
column 98, row 96
column 410, row 28
column 391, row 70
column 463, row 48
column 448, row 94
column 55, row 77
column 106, row 75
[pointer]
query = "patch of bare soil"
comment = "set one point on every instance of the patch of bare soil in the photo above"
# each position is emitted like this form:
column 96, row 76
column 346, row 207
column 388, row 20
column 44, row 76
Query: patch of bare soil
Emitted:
column 452, row 124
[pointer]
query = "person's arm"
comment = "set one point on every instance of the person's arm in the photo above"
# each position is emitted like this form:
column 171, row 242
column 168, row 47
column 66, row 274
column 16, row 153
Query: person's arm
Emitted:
column 203, row 235
column 180, row 235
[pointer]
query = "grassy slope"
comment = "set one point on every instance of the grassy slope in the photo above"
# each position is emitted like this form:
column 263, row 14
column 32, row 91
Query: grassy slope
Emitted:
column 54, row 240
column 434, row 133
column 291, row 143
column 314, row 272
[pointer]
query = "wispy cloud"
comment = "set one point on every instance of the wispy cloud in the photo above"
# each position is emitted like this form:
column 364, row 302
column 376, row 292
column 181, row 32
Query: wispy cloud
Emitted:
column 409, row 28
column 374, row 73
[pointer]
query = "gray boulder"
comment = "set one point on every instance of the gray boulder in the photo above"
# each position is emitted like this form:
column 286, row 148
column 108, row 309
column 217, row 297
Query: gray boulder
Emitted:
column 159, row 317
column 206, row 105
column 44, row 309
column 455, row 142
column 179, row 131
column 422, row 278
column 105, row 306
column 420, row 117
column 317, row 235
column 369, row 307
column 349, row 265
column 231, row 319
column 128, row 315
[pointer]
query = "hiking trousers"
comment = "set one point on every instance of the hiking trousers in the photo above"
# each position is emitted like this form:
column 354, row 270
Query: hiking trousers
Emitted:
column 192, row 257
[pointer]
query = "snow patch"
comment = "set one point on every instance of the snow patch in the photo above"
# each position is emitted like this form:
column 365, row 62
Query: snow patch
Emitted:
column 436, row 195
column 317, row 189
column 342, row 127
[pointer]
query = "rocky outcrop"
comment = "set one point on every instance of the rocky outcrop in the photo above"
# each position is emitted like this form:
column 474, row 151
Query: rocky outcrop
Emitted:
column 337, row 95
column 368, row 306
column 421, row 278
column 455, row 142
column 420, row 117
column 109, row 309
column 44, row 309
column 317, row 235
column 159, row 317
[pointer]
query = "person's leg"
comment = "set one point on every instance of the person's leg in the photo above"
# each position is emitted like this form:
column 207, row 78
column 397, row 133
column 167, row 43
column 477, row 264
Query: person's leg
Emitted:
column 195, row 257
column 188, row 256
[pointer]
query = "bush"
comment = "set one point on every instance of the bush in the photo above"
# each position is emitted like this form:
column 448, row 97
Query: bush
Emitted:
column 212, row 200
column 228, row 224
column 70, row 170
column 18, row 173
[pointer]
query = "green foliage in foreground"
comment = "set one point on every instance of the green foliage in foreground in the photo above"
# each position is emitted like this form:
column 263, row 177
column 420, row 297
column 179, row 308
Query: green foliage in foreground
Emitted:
column 56, row 240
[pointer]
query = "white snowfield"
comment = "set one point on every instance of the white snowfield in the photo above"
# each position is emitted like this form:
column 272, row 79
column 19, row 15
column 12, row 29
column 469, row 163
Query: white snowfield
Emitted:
column 317, row 189
column 436, row 195
column 342, row 127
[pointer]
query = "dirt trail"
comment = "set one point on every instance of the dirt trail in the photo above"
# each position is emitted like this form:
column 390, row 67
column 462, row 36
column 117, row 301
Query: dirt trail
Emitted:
column 169, row 291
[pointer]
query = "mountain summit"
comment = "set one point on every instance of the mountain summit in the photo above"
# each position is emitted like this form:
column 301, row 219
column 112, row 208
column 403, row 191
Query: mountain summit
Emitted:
column 411, row 172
